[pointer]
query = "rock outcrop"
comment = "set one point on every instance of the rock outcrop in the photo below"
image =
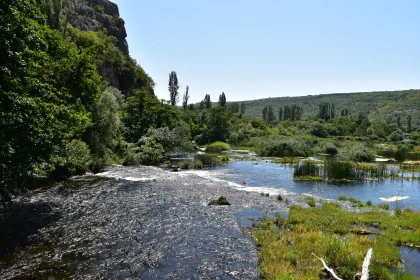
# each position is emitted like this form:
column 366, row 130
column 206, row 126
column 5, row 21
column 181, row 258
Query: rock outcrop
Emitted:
column 94, row 15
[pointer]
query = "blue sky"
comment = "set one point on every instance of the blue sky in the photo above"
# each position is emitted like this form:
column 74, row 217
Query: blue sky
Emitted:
column 270, row 48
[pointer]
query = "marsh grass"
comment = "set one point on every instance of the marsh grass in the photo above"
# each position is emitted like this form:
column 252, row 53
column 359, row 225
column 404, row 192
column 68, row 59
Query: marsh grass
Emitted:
column 329, row 232
column 217, row 147
column 286, row 160
column 334, row 170
column 206, row 160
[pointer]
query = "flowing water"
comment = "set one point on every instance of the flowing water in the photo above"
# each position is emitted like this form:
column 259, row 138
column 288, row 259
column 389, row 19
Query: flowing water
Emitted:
column 147, row 223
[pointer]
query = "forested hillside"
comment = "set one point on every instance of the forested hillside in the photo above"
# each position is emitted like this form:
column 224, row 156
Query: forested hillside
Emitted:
column 378, row 105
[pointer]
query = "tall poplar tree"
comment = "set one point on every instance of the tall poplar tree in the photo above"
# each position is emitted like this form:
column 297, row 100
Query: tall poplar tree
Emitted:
column 222, row 100
column 185, row 99
column 173, row 87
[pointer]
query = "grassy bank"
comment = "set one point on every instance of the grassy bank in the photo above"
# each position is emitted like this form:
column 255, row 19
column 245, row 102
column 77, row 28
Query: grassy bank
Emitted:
column 286, row 246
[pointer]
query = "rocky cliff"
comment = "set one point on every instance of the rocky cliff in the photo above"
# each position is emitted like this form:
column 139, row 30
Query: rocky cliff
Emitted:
column 94, row 15
column 100, row 15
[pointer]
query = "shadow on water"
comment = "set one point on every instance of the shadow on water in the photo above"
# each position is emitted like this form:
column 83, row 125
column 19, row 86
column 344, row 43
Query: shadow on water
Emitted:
column 20, row 221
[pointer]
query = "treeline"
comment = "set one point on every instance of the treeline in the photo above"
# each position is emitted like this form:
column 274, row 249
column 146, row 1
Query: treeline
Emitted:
column 58, row 114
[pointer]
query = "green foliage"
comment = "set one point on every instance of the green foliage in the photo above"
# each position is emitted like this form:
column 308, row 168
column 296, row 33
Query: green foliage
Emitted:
column 72, row 159
column 205, row 160
column 353, row 151
column 218, row 124
column 47, row 86
column 173, row 87
column 147, row 152
column 143, row 110
column 222, row 100
column 280, row 146
column 217, row 147
column 105, row 135
column 175, row 140
column 99, row 9
column 207, row 102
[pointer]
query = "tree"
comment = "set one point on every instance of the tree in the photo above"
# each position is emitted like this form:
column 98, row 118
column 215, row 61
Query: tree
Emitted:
column 399, row 121
column 265, row 113
column 207, row 102
column 218, row 124
column 47, row 85
column 185, row 99
column 173, row 87
column 409, row 123
column 243, row 108
column 222, row 100
column 270, row 114
column 326, row 111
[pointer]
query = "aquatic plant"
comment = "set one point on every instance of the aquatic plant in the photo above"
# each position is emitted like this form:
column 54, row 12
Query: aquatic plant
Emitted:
column 307, row 168
column 207, row 160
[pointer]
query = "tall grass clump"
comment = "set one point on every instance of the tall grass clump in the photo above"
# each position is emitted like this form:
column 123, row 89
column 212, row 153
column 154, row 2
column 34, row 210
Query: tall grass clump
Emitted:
column 205, row 160
column 340, row 170
column 307, row 168
column 217, row 147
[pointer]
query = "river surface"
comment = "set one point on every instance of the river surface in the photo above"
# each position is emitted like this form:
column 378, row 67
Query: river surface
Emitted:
column 264, row 176
column 148, row 223
column 132, row 223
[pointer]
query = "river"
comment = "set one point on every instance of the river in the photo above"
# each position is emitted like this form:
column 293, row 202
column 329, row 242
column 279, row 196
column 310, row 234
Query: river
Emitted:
column 148, row 223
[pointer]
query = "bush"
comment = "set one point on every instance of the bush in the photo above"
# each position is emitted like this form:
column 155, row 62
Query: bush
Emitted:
column 217, row 147
column 206, row 160
column 99, row 9
column 72, row 159
column 281, row 147
column 355, row 152
column 198, row 164
column 149, row 152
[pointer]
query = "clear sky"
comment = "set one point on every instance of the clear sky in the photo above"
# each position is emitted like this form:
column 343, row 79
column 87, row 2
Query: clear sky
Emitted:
column 271, row 48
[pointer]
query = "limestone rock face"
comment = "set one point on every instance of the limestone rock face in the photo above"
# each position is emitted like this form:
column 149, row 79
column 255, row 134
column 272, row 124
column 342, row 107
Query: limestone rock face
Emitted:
column 88, row 16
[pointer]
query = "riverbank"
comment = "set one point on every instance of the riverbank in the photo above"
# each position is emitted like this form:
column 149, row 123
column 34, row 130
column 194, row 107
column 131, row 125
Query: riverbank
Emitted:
column 135, row 222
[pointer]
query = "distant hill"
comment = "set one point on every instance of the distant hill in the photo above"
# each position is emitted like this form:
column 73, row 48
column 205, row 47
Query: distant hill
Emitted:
column 379, row 104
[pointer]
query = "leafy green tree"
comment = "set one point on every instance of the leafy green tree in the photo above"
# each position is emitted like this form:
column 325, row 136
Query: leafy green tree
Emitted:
column 399, row 121
column 409, row 122
column 222, row 100
column 270, row 114
column 326, row 111
column 218, row 124
column 106, row 132
column 185, row 99
column 143, row 110
column 265, row 113
column 234, row 107
column 243, row 108
column 173, row 87
column 207, row 102
column 47, row 86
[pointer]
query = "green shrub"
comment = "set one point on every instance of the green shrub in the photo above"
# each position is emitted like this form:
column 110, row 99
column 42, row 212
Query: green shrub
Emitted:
column 279, row 198
column 99, row 9
column 311, row 201
column 384, row 206
column 207, row 160
column 369, row 203
column 73, row 158
column 198, row 164
column 217, row 147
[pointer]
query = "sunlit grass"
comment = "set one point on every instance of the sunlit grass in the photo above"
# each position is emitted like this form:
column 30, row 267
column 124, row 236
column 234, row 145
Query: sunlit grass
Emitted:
column 331, row 233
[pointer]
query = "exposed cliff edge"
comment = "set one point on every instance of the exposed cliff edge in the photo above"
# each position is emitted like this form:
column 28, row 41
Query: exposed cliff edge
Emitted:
column 94, row 15
column 102, row 17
